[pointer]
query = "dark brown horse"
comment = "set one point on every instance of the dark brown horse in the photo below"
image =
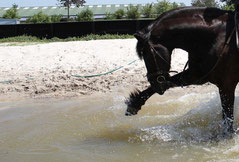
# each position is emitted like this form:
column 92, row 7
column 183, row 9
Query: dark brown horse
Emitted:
column 208, row 35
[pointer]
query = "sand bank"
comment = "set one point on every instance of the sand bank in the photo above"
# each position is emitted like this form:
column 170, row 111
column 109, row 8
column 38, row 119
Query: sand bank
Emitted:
column 47, row 70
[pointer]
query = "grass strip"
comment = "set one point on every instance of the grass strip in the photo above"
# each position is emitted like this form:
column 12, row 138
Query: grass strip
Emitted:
column 25, row 38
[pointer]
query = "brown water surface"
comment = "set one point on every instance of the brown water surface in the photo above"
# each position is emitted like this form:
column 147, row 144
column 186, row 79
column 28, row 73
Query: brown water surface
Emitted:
column 94, row 128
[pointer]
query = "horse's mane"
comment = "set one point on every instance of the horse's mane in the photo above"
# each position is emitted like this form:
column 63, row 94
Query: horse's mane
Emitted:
column 145, row 34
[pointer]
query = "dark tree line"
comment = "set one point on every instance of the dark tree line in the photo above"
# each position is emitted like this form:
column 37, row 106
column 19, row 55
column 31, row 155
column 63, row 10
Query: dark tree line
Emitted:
column 229, row 2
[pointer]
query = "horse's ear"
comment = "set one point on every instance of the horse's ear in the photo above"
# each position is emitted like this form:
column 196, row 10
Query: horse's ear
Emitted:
column 139, row 36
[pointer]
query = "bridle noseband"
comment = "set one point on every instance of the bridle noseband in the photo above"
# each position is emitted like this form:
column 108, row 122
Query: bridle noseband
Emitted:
column 161, row 75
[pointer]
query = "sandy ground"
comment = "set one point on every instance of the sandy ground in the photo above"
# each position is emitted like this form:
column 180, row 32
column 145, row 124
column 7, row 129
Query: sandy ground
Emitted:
column 47, row 70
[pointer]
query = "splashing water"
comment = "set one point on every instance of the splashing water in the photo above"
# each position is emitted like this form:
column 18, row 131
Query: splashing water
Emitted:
column 94, row 128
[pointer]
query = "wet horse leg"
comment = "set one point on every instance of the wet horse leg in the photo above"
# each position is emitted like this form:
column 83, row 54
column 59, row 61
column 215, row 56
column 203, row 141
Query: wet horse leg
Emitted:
column 226, row 91
column 136, row 100
column 227, row 95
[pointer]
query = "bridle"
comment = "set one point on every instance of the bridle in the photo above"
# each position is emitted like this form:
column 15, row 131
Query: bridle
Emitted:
column 160, row 74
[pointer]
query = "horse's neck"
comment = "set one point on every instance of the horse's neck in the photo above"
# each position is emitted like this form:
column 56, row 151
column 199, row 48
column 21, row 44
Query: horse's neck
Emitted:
column 187, row 33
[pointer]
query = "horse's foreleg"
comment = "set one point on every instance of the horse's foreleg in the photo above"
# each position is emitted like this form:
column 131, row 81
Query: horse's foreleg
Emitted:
column 227, row 96
column 136, row 100
column 185, row 78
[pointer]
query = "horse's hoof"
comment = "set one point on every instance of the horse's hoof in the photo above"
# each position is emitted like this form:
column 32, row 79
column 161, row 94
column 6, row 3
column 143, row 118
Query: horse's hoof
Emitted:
column 229, row 133
column 130, row 113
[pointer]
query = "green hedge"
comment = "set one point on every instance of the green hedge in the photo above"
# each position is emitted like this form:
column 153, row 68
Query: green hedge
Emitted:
column 25, row 38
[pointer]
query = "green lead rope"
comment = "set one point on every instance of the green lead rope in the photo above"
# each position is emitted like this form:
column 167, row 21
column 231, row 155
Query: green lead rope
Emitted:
column 86, row 76
column 7, row 81
column 96, row 75
column 10, row 81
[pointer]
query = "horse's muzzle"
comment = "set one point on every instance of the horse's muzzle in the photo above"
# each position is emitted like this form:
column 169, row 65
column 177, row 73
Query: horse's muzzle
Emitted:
column 158, row 88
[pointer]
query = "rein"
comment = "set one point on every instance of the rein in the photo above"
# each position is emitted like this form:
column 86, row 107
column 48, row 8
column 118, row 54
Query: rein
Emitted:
column 154, row 50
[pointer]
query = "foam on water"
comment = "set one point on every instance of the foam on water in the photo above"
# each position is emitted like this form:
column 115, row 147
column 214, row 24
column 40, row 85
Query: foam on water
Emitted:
column 201, row 123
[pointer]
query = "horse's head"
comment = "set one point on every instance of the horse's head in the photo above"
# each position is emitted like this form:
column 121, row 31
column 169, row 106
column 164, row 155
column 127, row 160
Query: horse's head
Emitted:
column 157, row 60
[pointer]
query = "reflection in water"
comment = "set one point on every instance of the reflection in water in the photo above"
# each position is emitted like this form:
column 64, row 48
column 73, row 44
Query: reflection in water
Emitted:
column 94, row 128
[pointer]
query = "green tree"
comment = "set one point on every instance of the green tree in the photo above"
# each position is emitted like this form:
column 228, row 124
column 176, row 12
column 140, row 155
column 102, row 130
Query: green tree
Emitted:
column 133, row 12
column 147, row 10
column 175, row 5
column 12, row 13
column 228, row 7
column 56, row 18
column 229, row 2
column 119, row 14
column 165, row 5
column 162, row 6
column 86, row 15
column 205, row 3
column 39, row 18
column 108, row 16
column 69, row 3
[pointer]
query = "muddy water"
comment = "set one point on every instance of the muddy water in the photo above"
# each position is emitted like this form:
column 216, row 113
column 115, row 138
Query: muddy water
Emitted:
column 94, row 128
